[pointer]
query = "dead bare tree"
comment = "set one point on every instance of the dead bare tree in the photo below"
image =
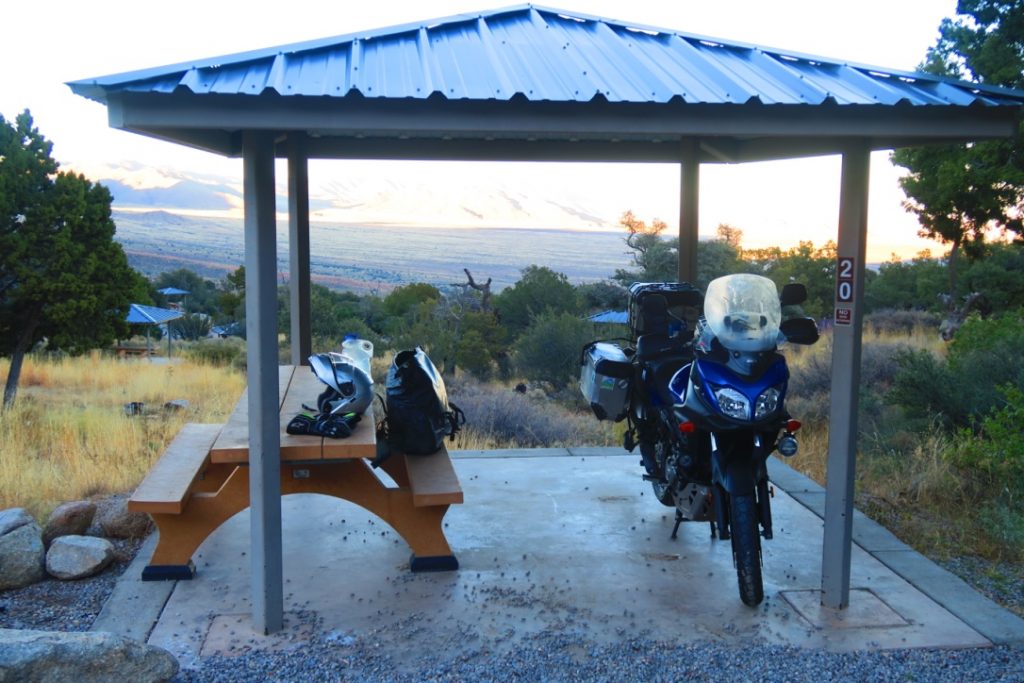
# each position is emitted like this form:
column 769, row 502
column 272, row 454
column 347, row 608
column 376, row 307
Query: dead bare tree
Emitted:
column 484, row 289
column 956, row 316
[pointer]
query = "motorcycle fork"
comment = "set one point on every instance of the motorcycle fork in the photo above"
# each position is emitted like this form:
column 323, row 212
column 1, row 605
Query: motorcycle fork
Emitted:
column 762, row 494
column 764, row 508
column 721, row 514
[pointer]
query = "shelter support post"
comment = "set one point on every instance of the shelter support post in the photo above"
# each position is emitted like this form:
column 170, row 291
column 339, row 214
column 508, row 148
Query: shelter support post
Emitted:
column 264, row 423
column 689, row 204
column 298, row 243
column 846, row 352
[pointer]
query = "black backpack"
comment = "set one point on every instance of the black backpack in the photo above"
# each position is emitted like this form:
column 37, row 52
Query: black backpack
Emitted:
column 419, row 415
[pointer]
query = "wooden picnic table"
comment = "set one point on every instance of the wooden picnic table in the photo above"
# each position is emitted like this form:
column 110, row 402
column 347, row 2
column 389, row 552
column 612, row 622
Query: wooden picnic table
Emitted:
column 202, row 480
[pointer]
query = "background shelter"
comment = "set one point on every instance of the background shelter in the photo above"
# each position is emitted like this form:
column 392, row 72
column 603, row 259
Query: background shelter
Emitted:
column 140, row 314
column 529, row 83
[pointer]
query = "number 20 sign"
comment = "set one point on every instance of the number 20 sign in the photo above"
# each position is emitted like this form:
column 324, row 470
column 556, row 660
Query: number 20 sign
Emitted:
column 844, row 280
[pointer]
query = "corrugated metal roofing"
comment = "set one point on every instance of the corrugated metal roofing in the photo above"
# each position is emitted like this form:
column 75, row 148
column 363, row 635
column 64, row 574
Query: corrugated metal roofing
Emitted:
column 542, row 54
column 610, row 317
column 150, row 315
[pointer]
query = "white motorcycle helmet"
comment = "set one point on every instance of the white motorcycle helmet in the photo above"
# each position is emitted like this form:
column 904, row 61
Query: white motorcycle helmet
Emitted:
column 349, row 388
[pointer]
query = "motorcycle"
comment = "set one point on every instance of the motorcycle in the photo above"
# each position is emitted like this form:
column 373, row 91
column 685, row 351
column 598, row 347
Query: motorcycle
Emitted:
column 703, row 387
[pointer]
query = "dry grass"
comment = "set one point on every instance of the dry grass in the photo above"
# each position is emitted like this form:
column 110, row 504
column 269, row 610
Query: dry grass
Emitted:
column 905, row 477
column 67, row 436
column 809, row 391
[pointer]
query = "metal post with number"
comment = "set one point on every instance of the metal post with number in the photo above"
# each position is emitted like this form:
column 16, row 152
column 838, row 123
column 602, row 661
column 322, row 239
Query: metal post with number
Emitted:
column 846, row 351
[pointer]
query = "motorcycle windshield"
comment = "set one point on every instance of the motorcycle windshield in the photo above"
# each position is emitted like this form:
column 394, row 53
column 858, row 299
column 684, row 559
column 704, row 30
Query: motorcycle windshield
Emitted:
column 743, row 312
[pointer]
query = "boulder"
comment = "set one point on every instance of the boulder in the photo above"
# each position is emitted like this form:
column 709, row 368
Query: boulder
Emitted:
column 69, row 519
column 59, row 657
column 115, row 521
column 21, row 549
column 76, row 557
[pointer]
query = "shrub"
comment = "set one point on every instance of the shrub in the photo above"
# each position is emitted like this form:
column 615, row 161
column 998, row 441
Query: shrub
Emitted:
column 499, row 416
column 549, row 350
column 228, row 352
column 963, row 388
column 997, row 450
column 192, row 326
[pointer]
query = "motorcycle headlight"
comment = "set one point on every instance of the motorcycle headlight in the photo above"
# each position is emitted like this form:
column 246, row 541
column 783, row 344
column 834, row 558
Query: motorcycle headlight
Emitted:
column 767, row 403
column 733, row 403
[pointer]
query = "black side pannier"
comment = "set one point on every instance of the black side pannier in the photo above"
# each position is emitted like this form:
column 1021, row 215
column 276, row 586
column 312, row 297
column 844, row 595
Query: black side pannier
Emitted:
column 419, row 415
column 683, row 305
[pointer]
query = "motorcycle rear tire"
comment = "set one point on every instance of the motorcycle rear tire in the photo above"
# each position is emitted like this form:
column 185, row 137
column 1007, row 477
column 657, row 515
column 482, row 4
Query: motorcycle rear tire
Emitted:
column 662, row 490
column 746, row 548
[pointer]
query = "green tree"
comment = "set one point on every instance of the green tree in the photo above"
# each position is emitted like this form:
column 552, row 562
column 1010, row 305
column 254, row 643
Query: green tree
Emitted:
column 720, row 256
column 231, row 299
column 813, row 267
column 604, row 295
column 959, row 192
column 202, row 294
column 402, row 299
column 63, row 278
column 481, row 347
column 999, row 276
column 904, row 285
column 539, row 289
column 655, row 258
column 333, row 314
column 549, row 349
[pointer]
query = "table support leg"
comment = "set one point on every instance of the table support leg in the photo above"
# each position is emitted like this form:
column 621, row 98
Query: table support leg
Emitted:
column 182, row 534
column 352, row 480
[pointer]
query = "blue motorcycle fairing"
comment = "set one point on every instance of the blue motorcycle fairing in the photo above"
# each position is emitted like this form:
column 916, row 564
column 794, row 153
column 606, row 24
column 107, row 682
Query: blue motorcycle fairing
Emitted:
column 706, row 376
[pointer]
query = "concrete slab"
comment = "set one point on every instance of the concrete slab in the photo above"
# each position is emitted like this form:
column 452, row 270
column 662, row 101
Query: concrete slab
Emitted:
column 953, row 593
column 134, row 605
column 570, row 542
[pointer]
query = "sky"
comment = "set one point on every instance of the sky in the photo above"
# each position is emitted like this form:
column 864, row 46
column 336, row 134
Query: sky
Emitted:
column 774, row 203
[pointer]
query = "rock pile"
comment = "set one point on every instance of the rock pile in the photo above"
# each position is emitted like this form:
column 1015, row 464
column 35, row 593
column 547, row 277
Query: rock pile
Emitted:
column 72, row 545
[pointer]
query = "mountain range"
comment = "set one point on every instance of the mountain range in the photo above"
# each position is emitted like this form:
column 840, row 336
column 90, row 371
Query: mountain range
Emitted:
column 408, row 197
column 368, row 232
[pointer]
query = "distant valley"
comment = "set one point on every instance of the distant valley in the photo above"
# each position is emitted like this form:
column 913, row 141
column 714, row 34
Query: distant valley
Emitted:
column 373, row 258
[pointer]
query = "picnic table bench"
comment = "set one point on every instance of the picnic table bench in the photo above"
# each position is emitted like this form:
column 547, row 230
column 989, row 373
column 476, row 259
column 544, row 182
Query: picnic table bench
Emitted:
column 202, row 480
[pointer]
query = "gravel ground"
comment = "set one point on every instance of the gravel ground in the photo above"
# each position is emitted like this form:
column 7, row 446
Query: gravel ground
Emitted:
column 55, row 605
column 1001, row 582
column 565, row 653
column 560, row 656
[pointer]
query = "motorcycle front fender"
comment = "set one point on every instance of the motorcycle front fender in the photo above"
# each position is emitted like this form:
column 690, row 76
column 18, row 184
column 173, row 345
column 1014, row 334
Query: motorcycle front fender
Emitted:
column 736, row 478
column 736, row 470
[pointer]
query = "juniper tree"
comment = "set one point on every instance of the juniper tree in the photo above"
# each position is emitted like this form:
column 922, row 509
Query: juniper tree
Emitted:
column 63, row 278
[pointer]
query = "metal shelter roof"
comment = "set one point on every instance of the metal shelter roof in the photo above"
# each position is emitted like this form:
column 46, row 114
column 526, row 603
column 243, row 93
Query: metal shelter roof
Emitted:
column 529, row 82
column 610, row 317
column 150, row 315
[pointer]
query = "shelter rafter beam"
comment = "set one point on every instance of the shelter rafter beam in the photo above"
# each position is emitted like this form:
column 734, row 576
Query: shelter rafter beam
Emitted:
column 213, row 124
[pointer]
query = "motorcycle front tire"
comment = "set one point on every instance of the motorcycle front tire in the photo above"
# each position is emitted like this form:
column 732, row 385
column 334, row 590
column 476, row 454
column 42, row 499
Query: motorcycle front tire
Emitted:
column 746, row 548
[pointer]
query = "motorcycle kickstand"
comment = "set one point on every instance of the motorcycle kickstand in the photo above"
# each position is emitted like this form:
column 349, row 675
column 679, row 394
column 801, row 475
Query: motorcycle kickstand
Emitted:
column 675, row 529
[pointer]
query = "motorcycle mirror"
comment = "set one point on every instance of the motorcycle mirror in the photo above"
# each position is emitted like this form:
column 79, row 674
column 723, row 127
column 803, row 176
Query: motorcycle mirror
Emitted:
column 799, row 330
column 792, row 294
